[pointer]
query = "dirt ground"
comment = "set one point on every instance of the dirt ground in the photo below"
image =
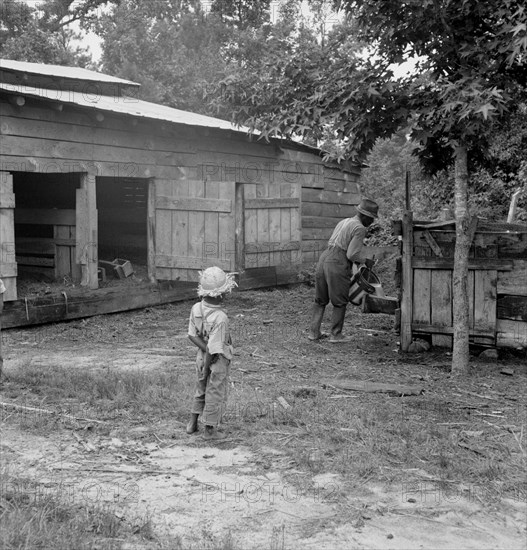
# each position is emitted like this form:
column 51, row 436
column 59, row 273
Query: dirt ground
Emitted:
column 252, row 491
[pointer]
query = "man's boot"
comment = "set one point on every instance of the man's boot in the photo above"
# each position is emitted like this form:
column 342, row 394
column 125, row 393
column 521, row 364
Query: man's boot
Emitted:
column 337, row 322
column 192, row 425
column 316, row 320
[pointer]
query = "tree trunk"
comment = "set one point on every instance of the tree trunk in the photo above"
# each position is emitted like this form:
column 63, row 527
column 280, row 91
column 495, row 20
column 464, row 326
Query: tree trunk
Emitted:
column 460, row 353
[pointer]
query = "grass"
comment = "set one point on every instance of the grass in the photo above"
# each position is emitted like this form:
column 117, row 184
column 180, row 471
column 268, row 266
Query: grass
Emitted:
column 455, row 443
column 363, row 437
column 94, row 394
column 32, row 519
column 35, row 517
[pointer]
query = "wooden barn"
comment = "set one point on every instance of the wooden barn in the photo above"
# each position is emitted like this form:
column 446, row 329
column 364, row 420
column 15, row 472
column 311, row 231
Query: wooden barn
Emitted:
column 90, row 175
column 497, row 283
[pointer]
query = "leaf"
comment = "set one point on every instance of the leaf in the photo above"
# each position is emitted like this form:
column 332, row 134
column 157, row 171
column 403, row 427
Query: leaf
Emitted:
column 484, row 110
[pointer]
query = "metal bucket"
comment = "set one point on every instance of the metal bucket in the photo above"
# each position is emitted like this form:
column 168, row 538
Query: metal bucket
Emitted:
column 363, row 282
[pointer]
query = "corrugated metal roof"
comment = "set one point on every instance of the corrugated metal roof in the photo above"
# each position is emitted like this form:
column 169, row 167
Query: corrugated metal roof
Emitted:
column 59, row 71
column 122, row 105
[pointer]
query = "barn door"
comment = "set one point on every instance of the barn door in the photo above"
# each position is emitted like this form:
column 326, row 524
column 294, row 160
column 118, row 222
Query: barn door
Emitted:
column 272, row 225
column 8, row 267
column 194, row 227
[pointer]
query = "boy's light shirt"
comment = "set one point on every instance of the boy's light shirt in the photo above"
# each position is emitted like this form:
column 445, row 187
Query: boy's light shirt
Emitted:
column 2, row 287
column 216, row 327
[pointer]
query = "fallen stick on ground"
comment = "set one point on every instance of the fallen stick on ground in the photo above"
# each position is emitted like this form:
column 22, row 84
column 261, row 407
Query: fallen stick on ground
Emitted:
column 46, row 411
column 117, row 471
column 374, row 387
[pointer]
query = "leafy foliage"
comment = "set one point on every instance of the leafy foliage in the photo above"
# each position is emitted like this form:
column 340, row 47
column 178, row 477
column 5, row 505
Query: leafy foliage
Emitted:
column 42, row 33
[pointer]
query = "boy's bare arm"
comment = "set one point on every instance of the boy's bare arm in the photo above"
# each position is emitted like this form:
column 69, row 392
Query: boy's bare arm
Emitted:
column 198, row 342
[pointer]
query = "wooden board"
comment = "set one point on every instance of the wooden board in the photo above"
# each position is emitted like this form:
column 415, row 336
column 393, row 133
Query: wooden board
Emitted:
column 441, row 305
column 511, row 334
column 194, row 228
column 514, row 282
column 272, row 225
column 80, row 304
column 422, row 298
column 8, row 268
column 485, row 300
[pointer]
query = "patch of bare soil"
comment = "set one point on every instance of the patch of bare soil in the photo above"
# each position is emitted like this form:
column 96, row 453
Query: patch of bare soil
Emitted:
column 307, row 462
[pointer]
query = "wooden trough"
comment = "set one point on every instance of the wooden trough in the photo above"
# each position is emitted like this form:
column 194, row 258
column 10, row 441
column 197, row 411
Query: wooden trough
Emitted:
column 497, row 283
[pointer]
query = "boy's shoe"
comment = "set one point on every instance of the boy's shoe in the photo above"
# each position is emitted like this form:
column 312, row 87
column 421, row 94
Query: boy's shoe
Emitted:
column 212, row 434
column 192, row 425
column 320, row 336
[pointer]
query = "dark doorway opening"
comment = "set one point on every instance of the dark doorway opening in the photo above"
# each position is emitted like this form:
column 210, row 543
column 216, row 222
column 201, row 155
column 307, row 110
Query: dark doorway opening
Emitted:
column 45, row 225
column 122, row 213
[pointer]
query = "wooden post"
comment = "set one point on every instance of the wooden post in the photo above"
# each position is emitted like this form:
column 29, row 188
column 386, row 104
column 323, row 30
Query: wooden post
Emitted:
column 86, row 232
column 239, row 230
column 407, row 282
column 407, row 191
column 8, row 266
column 2, row 290
column 151, row 231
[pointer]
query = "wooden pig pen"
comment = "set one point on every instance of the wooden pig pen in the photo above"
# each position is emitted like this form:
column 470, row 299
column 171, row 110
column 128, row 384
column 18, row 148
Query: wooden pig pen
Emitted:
column 497, row 283
column 90, row 173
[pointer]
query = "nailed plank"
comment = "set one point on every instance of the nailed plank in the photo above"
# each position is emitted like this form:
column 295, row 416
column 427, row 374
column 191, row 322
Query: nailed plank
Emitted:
column 328, row 210
column 444, row 330
column 251, row 225
column 196, row 223
column 226, row 226
column 151, row 230
column 275, row 220
column 515, row 281
column 473, row 263
column 485, row 299
column 86, row 303
column 259, row 277
column 512, row 245
column 187, row 262
column 163, row 230
column 319, row 222
column 180, row 234
column 511, row 334
column 272, row 202
column 272, row 247
column 436, row 249
column 212, row 247
column 193, row 204
column 441, row 305
column 295, row 225
column 239, row 227
column 317, row 233
column 328, row 196
column 422, row 296
column 380, row 304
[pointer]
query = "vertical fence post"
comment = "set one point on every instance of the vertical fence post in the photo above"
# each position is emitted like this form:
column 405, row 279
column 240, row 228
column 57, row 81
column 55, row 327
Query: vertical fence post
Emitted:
column 407, row 281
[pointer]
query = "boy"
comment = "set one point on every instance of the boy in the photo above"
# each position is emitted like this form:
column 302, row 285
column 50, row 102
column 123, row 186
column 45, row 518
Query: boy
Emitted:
column 209, row 330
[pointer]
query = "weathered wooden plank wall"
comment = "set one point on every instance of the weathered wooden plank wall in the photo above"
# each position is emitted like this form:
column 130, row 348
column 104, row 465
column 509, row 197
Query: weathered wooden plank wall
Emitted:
column 279, row 234
column 497, row 284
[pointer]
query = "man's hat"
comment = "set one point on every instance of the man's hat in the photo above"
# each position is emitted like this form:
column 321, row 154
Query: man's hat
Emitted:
column 368, row 208
column 213, row 281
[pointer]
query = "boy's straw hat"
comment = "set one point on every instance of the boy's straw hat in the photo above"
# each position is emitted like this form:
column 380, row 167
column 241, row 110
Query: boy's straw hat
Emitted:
column 213, row 281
